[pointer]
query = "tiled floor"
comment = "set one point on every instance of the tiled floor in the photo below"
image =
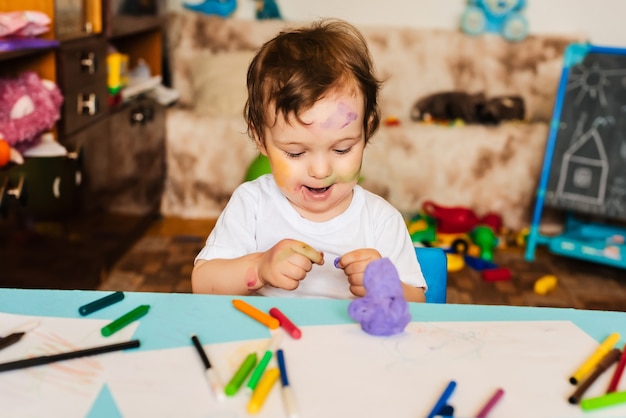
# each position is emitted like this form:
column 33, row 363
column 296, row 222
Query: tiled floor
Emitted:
column 161, row 261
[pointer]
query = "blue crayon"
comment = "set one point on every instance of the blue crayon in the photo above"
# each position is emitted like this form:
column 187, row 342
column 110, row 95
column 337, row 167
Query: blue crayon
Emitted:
column 442, row 402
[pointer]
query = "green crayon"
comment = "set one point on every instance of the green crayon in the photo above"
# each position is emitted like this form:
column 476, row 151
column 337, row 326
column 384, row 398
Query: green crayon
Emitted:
column 610, row 399
column 240, row 375
column 124, row 320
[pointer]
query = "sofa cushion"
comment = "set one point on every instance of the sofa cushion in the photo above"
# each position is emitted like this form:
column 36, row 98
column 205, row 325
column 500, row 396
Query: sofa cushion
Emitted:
column 218, row 82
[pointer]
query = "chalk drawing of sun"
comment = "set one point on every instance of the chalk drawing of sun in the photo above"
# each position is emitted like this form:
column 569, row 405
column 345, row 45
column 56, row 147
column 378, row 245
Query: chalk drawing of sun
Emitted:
column 592, row 81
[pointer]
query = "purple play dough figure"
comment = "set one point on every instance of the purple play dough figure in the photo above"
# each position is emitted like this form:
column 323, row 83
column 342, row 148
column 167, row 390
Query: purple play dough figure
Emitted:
column 383, row 310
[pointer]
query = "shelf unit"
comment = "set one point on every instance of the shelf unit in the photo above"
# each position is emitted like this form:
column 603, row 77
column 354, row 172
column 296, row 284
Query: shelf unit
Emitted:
column 120, row 149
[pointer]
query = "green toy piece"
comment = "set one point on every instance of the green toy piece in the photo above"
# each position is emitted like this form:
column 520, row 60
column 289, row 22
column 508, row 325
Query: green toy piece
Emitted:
column 259, row 166
column 422, row 228
column 485, row 239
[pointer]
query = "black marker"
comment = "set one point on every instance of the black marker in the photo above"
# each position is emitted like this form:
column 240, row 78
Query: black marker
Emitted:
column 41, row 360
column 101, row 303
column 211, row 376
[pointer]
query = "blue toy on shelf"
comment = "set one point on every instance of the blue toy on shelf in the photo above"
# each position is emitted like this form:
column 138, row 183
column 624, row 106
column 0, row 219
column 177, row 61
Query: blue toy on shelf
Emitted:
column 498, row 16
column 222, row 8
column 267, row 9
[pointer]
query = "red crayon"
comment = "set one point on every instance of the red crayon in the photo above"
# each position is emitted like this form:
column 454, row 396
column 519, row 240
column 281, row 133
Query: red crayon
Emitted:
column 617, row 374
column 289, row 326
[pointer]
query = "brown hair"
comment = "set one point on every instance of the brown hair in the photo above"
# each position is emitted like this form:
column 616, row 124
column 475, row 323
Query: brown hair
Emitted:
column 299, row 66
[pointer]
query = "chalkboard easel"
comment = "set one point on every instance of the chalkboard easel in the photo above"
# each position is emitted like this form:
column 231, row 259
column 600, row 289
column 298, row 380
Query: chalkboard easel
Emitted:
column 584, row 168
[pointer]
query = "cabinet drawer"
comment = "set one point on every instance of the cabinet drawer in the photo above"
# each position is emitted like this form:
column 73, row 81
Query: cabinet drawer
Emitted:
column 83, row 106
column 92, row 146
column 138, row 155
column 82, row 62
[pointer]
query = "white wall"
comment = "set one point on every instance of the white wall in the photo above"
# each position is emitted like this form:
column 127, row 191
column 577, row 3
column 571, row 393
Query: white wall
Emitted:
column 602, row 20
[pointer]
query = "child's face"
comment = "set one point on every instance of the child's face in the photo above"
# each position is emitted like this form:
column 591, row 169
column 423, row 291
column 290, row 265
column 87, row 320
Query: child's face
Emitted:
column 317, row 164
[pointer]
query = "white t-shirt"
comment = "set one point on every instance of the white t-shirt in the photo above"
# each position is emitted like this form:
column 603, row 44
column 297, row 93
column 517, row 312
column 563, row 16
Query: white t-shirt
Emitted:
column 258, row 216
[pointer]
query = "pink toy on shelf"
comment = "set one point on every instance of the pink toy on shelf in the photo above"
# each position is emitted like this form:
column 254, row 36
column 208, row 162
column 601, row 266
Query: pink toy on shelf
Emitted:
column 451, row 220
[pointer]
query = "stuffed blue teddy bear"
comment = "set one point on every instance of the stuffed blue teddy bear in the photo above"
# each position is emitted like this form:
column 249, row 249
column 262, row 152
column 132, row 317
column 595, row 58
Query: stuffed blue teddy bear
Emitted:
column 498, row 16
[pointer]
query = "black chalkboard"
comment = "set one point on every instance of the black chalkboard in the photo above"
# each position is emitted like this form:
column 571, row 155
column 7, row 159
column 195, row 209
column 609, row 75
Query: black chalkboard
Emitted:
column 587, row 169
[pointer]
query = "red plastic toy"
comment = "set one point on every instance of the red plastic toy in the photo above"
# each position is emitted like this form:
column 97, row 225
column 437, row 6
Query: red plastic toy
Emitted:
column 451, row 220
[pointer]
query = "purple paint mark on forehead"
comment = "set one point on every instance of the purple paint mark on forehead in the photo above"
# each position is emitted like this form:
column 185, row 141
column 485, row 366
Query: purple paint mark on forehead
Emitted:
column 350, row 117
column 342, row 117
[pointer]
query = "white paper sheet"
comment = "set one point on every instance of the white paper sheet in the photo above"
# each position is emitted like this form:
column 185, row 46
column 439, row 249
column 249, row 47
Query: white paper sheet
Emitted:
column 339, row 371
column 63, row 389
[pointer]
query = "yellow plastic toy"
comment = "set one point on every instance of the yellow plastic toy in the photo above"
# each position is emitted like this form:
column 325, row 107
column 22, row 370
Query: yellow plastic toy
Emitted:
column 545, row 284
column 456, row 262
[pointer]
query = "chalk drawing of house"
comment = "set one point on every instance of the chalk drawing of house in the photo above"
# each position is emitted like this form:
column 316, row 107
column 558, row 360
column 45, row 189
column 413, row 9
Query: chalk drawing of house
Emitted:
column 585, row 168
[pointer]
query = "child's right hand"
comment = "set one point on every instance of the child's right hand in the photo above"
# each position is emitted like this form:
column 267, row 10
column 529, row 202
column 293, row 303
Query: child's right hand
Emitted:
column 288, row 262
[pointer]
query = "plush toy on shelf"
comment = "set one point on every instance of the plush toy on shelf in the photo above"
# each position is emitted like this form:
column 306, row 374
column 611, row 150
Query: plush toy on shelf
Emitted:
column 29, row 106
column 498, row 16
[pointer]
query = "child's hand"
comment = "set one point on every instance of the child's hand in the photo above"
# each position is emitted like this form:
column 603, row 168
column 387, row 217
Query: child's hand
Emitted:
column 353, row 264
column 288, row 262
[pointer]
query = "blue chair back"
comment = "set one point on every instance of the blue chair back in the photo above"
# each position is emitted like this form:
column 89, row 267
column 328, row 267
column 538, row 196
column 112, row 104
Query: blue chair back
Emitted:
column 434, row 264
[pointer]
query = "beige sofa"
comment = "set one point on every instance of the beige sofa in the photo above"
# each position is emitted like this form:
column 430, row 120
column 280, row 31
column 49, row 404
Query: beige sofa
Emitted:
column 484, row 168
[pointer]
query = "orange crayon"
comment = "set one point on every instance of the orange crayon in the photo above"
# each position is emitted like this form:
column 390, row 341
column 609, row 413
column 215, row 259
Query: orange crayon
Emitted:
column 266, row 319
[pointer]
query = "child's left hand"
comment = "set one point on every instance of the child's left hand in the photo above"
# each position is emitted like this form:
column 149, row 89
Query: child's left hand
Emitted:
column 353, row 264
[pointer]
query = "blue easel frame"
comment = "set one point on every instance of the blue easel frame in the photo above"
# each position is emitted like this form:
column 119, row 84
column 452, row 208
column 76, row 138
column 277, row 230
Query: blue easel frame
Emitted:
column 592, row 242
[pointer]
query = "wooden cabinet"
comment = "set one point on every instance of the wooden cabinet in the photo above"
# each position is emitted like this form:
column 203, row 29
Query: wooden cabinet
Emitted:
column 118, row 148
column 82, row 76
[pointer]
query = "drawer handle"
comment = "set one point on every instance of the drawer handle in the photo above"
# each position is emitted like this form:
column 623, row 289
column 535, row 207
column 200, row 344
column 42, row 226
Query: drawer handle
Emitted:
column 88, row 62
column 56, row 187
column 16, row 192
column 86, row 104
column 141, row 115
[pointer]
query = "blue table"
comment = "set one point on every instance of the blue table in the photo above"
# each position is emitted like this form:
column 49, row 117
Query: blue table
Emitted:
column 174, row 317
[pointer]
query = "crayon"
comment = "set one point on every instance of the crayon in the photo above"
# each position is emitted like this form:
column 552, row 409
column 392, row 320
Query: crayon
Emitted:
column 603, row 401
column 604, row 364
column 254, row 313
column 443, row 399
column 262, row 390
column 286, row 323
column 591, row 362
column 618, row 372
column 490, row 404
column 101, row 303
column 240, row 375
column 260, row 368
column 124, row 320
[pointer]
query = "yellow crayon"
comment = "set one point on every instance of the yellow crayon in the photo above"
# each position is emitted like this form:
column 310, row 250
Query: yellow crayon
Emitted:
column 262, row 390
column 593, row 360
